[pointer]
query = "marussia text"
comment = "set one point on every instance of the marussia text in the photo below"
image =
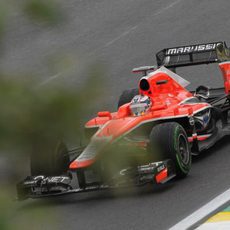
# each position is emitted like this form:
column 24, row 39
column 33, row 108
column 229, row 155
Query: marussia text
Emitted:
column 190, row 49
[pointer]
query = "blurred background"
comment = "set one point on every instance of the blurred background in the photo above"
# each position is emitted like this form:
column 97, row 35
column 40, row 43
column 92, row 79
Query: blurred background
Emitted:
column 35, row 109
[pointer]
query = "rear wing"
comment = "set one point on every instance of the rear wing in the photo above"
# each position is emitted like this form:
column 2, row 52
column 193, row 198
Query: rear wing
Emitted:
column 193, row 55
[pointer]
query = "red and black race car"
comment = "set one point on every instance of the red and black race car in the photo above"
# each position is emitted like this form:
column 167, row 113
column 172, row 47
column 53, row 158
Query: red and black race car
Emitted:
column 151, row 137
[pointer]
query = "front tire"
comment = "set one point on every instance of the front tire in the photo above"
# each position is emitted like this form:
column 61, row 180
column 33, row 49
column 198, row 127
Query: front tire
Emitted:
column 54, row 163
column 169, row 141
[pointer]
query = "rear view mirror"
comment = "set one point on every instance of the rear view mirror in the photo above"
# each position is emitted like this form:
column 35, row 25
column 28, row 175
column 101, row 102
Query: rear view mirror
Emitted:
column 202, row 92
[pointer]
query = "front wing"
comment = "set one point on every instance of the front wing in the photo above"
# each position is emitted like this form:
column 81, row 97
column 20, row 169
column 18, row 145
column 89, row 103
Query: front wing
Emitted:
column 44, row 186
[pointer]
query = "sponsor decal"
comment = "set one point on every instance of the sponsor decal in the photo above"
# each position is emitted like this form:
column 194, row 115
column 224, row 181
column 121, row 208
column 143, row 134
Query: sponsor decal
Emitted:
column 39, row 178
column 57, row 179
column 43, row 179
column 193, row 48
column 160, row 168
column 203, row 118
column 191, row 121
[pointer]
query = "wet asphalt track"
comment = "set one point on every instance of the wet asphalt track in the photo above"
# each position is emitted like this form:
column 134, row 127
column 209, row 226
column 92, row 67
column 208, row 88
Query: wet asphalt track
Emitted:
column 123, row 34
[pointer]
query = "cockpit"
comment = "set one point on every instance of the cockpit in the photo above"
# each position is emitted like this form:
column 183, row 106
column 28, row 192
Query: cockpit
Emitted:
column 140, row 104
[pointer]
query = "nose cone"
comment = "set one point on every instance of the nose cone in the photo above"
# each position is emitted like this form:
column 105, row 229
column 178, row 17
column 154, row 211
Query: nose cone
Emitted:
column 90, row 153
column 112, row 130
column 81, row 164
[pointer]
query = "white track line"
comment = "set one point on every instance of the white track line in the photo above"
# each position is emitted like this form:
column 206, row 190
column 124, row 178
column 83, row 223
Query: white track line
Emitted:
column 120, row 36
column 48, row 79
column 109, row 43
column 204, row 212
column 130, row 30
column 135, row 27
column 167, row 7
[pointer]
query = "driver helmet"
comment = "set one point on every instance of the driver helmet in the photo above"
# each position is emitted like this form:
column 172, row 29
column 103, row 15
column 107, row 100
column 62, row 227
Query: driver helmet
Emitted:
column 140, row 104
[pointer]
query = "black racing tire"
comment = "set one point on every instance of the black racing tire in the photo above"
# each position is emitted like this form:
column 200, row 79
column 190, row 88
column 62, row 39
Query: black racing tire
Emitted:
column 53, row 164
column 127, row 96
column 169, row 141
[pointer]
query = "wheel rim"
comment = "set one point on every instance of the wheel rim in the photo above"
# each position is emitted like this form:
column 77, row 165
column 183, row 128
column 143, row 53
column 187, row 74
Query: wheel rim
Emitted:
column 183, row 149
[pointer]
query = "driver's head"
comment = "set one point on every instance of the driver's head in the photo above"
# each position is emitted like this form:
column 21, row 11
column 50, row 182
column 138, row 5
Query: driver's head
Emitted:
column 140, row 105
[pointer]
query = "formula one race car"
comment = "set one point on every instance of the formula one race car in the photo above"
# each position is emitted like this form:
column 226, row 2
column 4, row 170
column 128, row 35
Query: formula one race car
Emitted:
column 151, row 137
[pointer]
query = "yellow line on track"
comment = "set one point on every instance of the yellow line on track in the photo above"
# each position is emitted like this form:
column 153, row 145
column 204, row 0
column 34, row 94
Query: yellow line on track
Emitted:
column 221, row 216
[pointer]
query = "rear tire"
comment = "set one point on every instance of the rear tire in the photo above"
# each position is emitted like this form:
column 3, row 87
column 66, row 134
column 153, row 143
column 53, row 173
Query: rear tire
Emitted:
column 169, row 141
column 52, row 164
column 127, row 96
